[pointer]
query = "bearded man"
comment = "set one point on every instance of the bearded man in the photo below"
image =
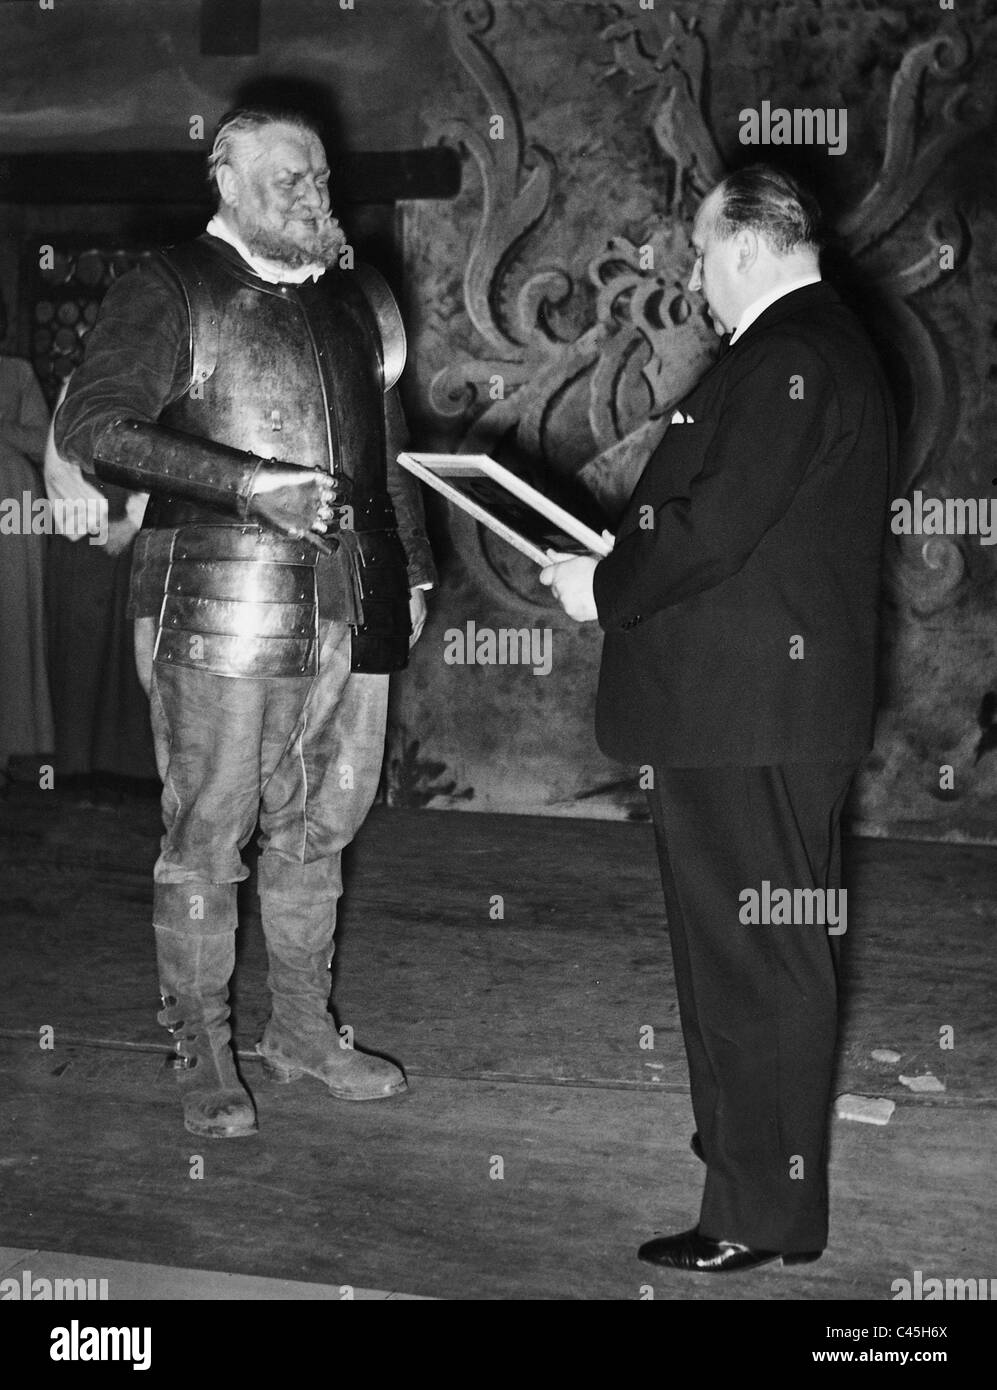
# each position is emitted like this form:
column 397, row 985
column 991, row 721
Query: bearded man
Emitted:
column 245, row 380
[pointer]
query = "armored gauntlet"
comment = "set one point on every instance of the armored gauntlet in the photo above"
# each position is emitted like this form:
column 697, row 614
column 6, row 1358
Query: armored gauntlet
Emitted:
column 296, row 501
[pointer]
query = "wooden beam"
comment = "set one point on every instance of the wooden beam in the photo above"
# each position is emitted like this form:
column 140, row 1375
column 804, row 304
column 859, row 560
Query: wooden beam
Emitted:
column 178, row 178
column 230, row 28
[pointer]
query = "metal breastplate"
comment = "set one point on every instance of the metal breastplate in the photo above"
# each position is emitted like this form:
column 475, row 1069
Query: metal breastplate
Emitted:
column 290, row 372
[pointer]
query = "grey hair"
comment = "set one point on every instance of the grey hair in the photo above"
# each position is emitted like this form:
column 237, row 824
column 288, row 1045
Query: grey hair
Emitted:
column 771, row 203
column 235, row 125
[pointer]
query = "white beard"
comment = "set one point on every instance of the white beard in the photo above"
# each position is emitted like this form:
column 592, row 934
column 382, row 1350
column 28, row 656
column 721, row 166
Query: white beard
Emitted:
column 320, row 246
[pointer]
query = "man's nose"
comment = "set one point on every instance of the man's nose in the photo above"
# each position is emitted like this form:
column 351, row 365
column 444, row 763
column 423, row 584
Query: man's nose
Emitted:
column 696, row 279
column 315, row 195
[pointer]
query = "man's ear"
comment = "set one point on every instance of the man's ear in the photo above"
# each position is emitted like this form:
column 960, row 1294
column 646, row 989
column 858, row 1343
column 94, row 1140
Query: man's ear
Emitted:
column 747, row 248
column 227, row 184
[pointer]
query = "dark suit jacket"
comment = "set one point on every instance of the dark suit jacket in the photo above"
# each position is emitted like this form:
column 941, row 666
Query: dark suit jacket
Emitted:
column 759, row 523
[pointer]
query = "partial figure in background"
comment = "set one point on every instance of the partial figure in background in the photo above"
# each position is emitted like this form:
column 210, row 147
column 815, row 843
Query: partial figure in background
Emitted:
column 25, row 707
column 103, row 738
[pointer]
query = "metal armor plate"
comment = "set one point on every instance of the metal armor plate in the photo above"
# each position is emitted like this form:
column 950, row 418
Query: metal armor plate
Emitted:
column 296, row 372
column 239, row 601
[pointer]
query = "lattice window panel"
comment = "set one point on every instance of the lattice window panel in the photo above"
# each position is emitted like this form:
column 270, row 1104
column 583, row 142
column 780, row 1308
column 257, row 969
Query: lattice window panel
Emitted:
column 64, row 300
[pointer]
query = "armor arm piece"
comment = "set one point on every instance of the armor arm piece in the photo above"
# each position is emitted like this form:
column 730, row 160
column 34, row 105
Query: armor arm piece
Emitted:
column 296, row 501
column 389, row 320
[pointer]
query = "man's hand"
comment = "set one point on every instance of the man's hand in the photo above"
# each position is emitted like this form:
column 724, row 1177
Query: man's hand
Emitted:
column 417, row 614
column 120, row 534
column 297, row 501
column 569, row 578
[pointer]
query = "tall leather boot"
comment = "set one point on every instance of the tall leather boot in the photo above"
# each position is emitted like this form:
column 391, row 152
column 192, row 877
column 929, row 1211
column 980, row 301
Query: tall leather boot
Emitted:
column 195, row 947
column 298, row 908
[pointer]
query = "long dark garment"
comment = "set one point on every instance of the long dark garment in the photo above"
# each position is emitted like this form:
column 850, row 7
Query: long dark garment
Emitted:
column 101, row 712
column 25, row 710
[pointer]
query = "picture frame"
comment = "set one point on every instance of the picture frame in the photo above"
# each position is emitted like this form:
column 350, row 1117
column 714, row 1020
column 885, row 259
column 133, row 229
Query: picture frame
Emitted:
column 507, row 505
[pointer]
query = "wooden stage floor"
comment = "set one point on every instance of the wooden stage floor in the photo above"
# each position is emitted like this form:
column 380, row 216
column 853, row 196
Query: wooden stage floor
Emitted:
column 521, row 1038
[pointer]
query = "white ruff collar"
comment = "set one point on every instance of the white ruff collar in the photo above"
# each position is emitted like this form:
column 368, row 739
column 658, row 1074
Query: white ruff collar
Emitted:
column 272, row 271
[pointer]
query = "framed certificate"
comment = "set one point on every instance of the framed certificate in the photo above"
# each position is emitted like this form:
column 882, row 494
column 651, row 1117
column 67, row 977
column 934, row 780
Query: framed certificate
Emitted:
column 502, row 501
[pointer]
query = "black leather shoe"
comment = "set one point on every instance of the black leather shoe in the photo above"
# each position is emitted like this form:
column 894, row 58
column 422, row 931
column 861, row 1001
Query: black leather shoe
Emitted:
column 703, row 1255
column 696, row 1144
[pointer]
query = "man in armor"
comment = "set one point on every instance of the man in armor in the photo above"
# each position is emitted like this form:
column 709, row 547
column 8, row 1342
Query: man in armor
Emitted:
column 245, row 381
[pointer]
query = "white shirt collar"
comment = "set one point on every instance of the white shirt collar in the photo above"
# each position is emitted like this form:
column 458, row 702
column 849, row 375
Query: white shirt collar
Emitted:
column 764, row 301
column 272, row 271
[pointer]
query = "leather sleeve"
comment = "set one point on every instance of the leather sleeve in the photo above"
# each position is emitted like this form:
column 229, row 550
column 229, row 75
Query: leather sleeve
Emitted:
column 407, row 498
column 137, row 360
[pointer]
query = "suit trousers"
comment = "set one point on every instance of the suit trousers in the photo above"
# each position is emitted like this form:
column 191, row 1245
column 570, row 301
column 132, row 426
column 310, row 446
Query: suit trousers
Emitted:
column 757, row 999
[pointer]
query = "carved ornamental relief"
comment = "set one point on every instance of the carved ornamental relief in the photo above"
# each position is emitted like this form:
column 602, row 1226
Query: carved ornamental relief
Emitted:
column 607, row 387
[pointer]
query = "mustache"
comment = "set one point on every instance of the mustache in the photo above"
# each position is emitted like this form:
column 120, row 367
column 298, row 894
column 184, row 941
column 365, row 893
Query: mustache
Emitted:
column 328, row 231
column 297, row 242
column 322, row 235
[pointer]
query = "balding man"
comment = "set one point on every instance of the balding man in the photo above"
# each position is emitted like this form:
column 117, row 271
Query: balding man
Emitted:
column 739, row 606
column 245, row 381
